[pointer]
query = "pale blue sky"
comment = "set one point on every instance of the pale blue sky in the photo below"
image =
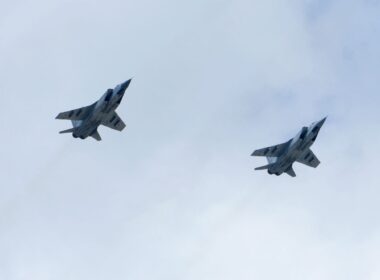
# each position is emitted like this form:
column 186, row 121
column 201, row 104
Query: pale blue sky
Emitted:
column 174, row 196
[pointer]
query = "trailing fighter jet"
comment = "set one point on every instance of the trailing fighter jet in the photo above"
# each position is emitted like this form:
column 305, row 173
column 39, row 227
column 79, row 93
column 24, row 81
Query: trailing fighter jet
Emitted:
column 86, row 120
column 281, row 157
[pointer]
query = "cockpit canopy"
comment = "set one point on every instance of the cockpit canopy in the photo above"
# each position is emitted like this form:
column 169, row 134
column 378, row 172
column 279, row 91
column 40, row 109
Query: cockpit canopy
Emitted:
column 108, row 95
column 303, row 133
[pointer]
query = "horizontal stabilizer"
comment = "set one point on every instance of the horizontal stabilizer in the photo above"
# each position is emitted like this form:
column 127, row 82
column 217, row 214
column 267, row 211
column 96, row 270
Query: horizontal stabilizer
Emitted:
column 262, row 167
column 67, row 130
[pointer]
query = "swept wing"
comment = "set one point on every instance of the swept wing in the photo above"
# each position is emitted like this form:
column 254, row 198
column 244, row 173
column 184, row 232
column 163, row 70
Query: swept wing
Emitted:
column 273, row 151
column 308, row 158
column 76, row 114
column 114, row 122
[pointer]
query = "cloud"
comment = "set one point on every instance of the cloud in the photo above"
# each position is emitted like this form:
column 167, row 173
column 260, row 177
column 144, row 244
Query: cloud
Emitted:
column 175, row 196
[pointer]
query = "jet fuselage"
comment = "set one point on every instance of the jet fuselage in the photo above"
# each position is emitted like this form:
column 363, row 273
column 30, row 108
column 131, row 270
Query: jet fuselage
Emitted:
column 106, row 105
column 282, row 156
column 86, row 120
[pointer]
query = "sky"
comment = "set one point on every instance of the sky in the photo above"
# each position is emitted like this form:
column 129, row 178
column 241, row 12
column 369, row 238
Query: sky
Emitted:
column 175, row 195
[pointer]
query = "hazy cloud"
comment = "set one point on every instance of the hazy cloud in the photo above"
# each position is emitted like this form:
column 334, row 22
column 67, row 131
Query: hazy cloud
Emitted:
column 174, row 196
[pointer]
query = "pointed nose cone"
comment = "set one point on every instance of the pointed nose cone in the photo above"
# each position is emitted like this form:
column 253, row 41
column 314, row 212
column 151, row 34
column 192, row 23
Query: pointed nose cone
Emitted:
column 120, row 89
column 126, row 84
column 315, row 127
column 321, row 122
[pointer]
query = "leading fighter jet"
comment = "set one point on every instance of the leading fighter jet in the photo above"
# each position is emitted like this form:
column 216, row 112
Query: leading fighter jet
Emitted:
column 281, row 157
column 86, row 120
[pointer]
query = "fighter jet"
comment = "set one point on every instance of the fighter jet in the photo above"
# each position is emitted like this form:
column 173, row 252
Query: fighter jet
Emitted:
column 281, row 157
column 86, row 120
